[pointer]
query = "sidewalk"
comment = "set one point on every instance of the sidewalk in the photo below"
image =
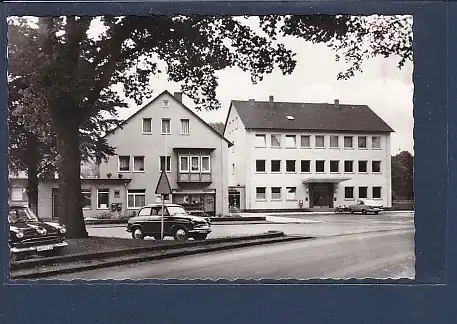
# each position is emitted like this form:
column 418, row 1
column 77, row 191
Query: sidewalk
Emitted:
column 272, row 218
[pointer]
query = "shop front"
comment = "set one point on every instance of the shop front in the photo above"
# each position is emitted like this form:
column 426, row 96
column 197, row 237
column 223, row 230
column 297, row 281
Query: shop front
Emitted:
column 196, row 200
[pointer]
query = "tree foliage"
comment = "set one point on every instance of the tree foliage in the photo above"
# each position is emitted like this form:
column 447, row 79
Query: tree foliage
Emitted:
column 402, row 176
column 354, row 39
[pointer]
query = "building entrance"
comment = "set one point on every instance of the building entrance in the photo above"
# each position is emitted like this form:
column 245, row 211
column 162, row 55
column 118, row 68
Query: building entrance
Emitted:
column 321, row 195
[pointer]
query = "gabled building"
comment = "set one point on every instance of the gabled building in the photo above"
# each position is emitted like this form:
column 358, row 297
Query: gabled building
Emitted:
column 163, row 135
column 293, row 156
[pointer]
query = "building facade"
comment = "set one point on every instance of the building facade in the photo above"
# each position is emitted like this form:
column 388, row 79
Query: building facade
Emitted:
column 292, row 156
column 163, row 135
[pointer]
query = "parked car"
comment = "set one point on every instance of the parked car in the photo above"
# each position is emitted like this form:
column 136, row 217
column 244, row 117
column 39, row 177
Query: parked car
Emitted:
column 28, row 234
column 365, row 206
column 177, row 223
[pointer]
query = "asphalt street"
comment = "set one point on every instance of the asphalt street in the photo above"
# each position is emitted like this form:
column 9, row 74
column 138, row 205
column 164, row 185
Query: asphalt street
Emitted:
column 379, row 255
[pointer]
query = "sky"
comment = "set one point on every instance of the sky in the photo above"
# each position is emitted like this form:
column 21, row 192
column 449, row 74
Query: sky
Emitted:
column 386, row 89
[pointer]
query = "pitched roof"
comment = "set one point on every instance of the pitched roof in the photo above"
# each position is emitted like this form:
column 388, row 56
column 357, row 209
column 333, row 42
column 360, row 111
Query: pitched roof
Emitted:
column 182, row 105
column 309, row 116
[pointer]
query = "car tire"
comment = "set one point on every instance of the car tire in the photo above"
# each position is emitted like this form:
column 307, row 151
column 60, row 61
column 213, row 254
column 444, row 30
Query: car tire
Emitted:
column 376, row 213
column 137, row 233
column 180, row 234
column 352, row 212
column 200, row 237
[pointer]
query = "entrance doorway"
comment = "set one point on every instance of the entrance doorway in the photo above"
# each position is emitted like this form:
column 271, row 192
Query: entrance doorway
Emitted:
column 55, row 204
column 234, row 200
column 321, row 195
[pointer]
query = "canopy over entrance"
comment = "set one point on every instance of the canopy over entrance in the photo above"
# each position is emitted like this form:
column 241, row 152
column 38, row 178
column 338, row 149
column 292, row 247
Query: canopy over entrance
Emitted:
column 324, row 179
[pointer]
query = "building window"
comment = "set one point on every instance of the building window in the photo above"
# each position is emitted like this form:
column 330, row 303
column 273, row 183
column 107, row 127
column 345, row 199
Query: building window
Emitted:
column 291, row 193
column 334, row 141
column 165, row 103
column 305, row 166
column 138, row 164
column 147, row 125
column 291, row 141
column 87, row 198
column 194, row 164
column 349, row 192
column 185, row 126
column 102, row 198
column 348, row 141
column 275, row 165
column 320, row 166
column 136, row 198
column 362, row 142
column 348, row 166
column 183, row 163
column 124, row 163
column 17, row 194
column 165, row 163
column 376, row 166
column 260, row 193
column 276, row 193
column 166, row 128
column 260, row 140
column 363, row 166
column 334, row 166
column 233, row 168
column 276, row 140
column 376, row 192
column 290, row 166
column 206, row 164
column 305, row 142
column 319, row 141
column 117, row 193
column 260, row 165
column 376, row 142
column 363, row 192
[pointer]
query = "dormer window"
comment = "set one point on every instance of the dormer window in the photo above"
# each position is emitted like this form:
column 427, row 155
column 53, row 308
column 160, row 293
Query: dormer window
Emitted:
column 290, row 117
column 165, row 103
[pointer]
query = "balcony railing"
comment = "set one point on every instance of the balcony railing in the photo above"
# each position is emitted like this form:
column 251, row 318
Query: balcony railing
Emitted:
column 190, row 177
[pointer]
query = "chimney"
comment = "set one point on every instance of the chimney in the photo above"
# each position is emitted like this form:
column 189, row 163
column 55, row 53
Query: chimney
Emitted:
column 271, row 101
column 337, row 103
column 178, row 96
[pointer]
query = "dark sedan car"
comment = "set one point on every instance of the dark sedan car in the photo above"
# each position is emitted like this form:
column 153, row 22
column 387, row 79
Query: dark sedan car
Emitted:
column 177, row 223
column 28, row 234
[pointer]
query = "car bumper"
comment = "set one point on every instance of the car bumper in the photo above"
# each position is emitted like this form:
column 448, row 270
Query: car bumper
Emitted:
column 36, row 248
column 200, row 231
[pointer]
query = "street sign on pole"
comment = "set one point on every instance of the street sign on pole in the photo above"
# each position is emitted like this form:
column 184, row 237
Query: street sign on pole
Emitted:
column 163, row 188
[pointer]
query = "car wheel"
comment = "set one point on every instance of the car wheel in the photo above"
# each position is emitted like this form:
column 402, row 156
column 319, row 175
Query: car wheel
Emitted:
column 137, row 233
column 364, row 211
column 200, row 237
column 180, row 234
column 376, row 213
column 351, row 211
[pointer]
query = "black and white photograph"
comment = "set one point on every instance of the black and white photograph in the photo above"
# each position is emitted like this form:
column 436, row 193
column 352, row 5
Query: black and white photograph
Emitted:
column 211, row 147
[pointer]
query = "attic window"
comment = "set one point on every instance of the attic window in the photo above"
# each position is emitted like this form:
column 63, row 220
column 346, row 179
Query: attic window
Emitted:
column 290, row 117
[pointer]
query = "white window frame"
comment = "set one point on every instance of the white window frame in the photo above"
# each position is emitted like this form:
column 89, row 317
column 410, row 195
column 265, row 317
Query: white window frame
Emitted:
column 344, row 166
column 323, row 141
column 264, row 166
column 169, row 126
column 166, row 160
column 366, row 166
column 295, row 141
column 103, row 191
column 380, row 192
column 366, row 142
column 271, row 166
column 89, row 191
column 366, row 196
column 295, row 166
column 142, row 126
column 315, row 165
column 352, row 142
column 198, row 164
column 280, row 193
column 309, row 141
column 209, row 164
column 376, row 148
column 372, row 171
column 181, row 170
column 338, row 166
column 119, row 164
column 271, row 140
column 136, row 157
column 264, row 140
column 265, row 193
column 309, row 166
column 349, row 198
column 166, row 103
column 337, row 141
column 182, row 126
column 287, row 193
column 134, row 194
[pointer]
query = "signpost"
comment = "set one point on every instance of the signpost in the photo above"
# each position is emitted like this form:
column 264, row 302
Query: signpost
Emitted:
column 163, row 188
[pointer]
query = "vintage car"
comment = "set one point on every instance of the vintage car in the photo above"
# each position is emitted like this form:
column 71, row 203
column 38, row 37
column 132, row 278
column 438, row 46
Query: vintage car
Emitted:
column 365, row 206
column 176, row 223
column 28, row 234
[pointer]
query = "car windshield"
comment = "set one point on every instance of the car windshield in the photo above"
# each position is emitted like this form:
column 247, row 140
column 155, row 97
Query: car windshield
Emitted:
column 17, row 215
column 176, row 210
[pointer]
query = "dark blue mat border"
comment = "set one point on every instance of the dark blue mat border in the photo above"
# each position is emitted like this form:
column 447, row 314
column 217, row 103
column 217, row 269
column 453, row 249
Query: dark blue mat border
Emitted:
column 402, row 301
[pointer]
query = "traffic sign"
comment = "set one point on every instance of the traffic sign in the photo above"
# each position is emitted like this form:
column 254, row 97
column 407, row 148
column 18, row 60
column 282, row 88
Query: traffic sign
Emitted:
column 163, row 186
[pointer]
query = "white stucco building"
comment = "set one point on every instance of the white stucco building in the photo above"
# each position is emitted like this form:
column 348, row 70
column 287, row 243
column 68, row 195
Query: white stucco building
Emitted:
column 291, row 156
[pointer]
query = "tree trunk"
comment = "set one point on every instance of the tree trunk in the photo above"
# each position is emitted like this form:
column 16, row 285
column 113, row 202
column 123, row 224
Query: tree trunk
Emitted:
column 31, row 159
column 69, row 165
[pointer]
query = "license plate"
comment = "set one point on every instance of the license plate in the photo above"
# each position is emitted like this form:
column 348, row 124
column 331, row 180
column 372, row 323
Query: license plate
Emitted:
column 44, row 248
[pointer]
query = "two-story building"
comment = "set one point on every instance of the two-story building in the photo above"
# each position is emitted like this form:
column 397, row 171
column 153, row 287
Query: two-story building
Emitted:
column 292, row 156
column 162, row 135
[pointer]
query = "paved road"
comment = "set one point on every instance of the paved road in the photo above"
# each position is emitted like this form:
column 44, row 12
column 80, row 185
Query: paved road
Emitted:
column 370, row 255
column 327, row 225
